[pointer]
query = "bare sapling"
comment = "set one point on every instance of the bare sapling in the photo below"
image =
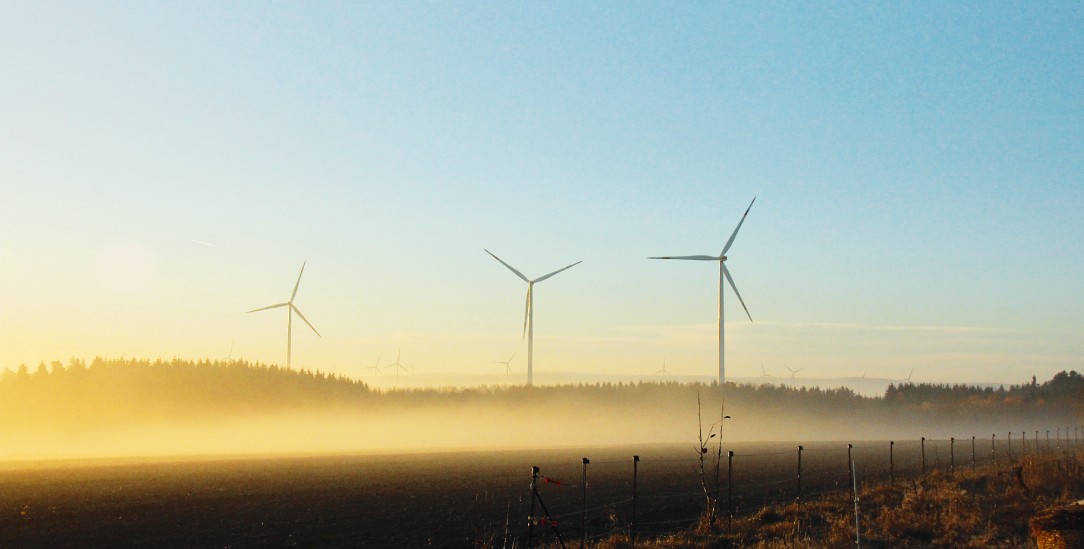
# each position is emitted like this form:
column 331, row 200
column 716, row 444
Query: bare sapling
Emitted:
column 710, row 486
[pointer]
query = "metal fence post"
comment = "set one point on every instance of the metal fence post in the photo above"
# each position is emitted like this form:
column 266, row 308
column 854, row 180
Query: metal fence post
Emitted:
column 583, row 517
column 850, row 469
column 800, row 448
column 635, row 478
column 923, row 456
column 952, row 455
column 993, row 449
column 972, row 452
column 892, row 463
column 530, row 517
column 729, row 486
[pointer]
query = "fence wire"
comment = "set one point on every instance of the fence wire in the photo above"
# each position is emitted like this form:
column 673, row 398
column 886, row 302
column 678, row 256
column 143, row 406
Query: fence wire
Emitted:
column 654, row 495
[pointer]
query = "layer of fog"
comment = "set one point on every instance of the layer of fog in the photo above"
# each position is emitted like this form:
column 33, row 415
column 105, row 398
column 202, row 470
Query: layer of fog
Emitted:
column 441, row 426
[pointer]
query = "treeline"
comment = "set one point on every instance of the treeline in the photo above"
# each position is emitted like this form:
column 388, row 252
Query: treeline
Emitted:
column 131, row 390
column 1065, row 388
column 120, row 391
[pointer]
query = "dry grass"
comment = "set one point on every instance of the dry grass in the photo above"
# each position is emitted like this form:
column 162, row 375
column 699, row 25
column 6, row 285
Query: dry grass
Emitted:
column 985, row 508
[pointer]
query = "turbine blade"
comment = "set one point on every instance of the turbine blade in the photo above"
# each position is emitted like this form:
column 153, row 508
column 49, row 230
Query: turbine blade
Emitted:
column 540, row 279
column 298, row 311
column 731, row 281
column 511, row 268
column 691, row 257
column 268, row 307
column 527, row 309
column 298, row 283
column 735, row 233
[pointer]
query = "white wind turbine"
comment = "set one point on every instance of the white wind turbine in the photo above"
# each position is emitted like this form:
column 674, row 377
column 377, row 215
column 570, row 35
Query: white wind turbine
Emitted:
column 663, row 371
column 507, row 364
column 792, row 372
column 399, row 366
column 723, row 273
column 528, row 314
column 291, row 309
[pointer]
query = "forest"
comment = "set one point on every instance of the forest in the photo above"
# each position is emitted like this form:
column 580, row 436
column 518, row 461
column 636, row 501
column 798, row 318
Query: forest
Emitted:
column 52, row 405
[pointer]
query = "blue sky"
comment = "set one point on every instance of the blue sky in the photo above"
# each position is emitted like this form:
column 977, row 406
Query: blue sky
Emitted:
column 917, row 171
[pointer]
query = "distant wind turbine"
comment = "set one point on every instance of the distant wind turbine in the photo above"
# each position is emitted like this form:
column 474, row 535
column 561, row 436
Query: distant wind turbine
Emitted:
column 907, row 379
column 507, row 364
column 793, row 372
column 376, row 367
column 528, row 314
column 399, row 366
column 291, row 309
column 764, row 373
column 723, row 273
column 663, row 371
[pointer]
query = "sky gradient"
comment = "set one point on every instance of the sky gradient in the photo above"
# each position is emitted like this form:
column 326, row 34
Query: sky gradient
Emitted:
column 168, row 166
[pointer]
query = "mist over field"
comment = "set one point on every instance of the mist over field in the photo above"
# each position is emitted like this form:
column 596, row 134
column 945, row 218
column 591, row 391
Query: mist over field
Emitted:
column 115, row 408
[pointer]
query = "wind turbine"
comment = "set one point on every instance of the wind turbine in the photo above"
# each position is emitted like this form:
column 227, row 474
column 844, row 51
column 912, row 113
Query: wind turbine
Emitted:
column 663, row 371
column 723, row 273
column 906, row 379
column 793, row 372
column 764, row 373
column 528, row 314
column 376, row 367
column 291, row 309
column 399, row 366
column 507, row 364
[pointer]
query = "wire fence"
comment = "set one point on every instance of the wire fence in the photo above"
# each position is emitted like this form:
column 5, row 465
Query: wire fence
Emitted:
column 644, row 496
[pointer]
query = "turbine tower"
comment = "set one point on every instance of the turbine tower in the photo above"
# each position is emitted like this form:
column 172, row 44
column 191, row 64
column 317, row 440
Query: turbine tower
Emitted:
column 528, row 314
column 723, row 273
column 291, row 309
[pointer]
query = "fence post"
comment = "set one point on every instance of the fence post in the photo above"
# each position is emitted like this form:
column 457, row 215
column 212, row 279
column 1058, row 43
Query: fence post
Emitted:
column 729, row 486
column 1024, row 441
column 952, row 455
column 1010, row 447
column 1058, row 439
column 850, row 469
column 923, row 456
column 993, row 449
column 892, row 463
column 583, row 518
column 530, row 517
column 632, row 523
column 800, row 448
column 854, row 490
column 972, row 452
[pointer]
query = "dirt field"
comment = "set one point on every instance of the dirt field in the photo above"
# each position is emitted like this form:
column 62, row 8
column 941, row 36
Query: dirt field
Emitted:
column 407, row 500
